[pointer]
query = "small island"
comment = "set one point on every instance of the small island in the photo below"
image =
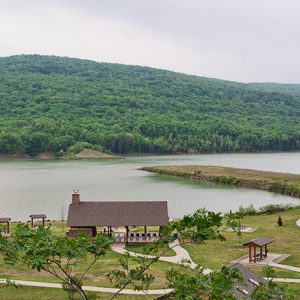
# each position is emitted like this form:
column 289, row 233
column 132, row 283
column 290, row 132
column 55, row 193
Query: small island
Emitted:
column 282, row 183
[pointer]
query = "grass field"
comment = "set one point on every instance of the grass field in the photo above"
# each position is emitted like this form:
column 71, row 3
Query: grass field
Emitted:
column 212, row 254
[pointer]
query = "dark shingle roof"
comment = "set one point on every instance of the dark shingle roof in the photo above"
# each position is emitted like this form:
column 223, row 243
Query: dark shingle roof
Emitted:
column 121, row 213
column 4, row 220
column 38, row 216
column 247, row 285
column 260, row 241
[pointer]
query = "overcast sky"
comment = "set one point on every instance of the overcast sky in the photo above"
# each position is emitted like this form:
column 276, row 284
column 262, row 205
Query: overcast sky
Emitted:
column 242, row 40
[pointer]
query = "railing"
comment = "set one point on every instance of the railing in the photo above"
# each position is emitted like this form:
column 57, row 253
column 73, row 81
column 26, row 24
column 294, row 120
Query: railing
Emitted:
column 136, row 237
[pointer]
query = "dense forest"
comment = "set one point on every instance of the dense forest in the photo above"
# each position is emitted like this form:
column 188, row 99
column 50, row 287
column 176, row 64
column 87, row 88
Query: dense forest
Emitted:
column 62, row 105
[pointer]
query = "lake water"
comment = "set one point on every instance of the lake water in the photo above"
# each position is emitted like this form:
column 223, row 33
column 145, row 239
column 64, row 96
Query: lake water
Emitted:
column 33, row 186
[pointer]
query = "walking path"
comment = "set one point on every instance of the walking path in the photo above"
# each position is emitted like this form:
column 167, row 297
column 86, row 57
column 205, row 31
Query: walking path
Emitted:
column 291, row 268
column 182, row 256
column 288, row 280
column 90, row 288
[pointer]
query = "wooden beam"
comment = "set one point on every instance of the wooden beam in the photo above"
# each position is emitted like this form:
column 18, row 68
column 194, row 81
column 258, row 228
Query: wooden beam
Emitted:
column 127, row 232
column 261, row 253
column 250, row 253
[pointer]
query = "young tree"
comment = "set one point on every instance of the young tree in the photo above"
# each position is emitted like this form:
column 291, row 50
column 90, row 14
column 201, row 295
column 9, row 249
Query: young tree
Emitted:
column 270, row 290
column 279, row 221
column 200, row 226
column 197, row 285
column 43, row 251
column 234, row 222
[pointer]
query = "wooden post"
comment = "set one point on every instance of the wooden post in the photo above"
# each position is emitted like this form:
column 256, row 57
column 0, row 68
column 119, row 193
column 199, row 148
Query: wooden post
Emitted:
column 7, row 228
column 145, row 229
column 254, row 253
column 43, row 222
column 250, row 246
column 266, row 251
column 31, row 222
column 127, row 231
column 261, row 253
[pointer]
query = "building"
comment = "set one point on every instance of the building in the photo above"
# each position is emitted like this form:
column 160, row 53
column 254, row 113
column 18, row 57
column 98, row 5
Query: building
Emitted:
column 84, row 217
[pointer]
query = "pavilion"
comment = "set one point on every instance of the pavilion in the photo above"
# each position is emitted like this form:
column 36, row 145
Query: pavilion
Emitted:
column 261, row 243
column 37, row 217
column 84, row 217
column 5, row 221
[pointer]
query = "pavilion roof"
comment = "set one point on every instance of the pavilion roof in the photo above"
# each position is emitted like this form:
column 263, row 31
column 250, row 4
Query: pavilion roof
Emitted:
column 38, row 216
column 262, row 241
column 2, row 220
column 251, row 279
column 118, row 213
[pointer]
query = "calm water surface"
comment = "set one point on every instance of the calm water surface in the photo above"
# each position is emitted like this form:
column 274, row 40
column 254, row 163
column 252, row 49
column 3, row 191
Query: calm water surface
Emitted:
column 32, row 186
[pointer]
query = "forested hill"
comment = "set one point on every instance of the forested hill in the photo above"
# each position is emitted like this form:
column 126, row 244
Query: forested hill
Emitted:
column 61, row 105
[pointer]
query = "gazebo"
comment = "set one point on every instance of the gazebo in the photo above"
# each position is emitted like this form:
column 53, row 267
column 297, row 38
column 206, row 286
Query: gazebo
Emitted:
column 5, row 221
column 261, row 243
column 38, row 217
column 84, row 217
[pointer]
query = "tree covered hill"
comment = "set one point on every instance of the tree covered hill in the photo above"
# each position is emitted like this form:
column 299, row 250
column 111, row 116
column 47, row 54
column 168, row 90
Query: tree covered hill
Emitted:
column 62, row 104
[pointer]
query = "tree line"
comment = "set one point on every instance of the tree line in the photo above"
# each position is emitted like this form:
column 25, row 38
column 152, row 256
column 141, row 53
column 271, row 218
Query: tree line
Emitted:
column 57, row 104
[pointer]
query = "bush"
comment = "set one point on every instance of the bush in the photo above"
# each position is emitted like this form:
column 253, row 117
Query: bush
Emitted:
column 267, row 209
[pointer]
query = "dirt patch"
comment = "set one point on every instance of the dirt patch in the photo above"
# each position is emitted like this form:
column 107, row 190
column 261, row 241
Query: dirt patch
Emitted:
column 93, row 154
column 46, row 155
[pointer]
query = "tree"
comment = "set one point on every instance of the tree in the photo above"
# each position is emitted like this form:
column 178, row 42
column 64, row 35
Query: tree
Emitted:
column 200, row 226
column 270, row 290
column 43, row 251
column 234, row 222
column 279, row 221
column 197, row 285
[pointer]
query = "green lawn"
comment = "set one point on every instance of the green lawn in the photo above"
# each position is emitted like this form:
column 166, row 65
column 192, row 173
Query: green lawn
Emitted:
column 212, row 254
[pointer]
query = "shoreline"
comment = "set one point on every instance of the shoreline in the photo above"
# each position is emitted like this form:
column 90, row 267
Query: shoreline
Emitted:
column 276, row 182
column 74, row 157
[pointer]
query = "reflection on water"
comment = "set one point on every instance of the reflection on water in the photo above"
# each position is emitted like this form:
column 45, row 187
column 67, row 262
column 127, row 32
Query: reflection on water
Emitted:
column 32, row 186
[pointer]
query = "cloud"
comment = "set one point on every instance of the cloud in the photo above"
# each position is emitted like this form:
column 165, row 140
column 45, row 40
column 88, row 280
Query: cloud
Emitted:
column 250, row 40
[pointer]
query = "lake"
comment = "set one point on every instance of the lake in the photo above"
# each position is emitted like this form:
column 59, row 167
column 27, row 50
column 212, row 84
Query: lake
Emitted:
column 35, row 186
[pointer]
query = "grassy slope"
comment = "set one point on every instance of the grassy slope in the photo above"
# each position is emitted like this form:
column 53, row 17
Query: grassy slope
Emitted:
column 283, row 183
column 212, row 254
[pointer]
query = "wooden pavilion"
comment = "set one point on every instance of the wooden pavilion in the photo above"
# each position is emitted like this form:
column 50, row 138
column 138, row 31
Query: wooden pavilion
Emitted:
column 5, row 221
column 260, row 243
column 84, row 217
column 38, row 217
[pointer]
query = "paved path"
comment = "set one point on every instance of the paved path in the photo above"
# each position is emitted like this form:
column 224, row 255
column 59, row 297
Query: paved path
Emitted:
column 290, row 280
column 90, row 288
column 182, row 256
column 291, row 268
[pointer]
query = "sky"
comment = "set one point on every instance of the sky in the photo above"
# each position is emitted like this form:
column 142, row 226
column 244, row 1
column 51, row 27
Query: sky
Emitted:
column 240, row 40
